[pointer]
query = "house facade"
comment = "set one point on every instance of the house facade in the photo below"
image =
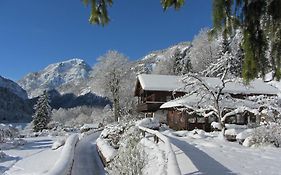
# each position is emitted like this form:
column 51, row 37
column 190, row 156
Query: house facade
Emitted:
column 163, row 96
column 182, row 112
column 154, row 90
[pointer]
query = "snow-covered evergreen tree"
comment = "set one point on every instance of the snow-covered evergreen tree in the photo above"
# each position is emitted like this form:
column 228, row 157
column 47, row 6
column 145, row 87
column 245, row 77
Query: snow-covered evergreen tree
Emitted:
column 42, row 115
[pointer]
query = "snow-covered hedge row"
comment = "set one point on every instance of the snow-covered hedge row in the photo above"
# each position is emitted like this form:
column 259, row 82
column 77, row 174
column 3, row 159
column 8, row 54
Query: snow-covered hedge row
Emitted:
column 172, row 167
column 106, row 150
column 64, row 163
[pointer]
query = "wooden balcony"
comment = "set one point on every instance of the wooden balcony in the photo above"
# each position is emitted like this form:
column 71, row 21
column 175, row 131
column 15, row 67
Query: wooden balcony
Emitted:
column 149, row 106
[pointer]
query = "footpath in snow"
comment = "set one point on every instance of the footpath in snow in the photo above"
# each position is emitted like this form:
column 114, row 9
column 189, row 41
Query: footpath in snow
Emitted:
column 194, row 161
column 86, row 158
column 208, row 154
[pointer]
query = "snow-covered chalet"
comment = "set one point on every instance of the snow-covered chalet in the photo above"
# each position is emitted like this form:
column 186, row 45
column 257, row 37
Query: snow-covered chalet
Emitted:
column 164, row 97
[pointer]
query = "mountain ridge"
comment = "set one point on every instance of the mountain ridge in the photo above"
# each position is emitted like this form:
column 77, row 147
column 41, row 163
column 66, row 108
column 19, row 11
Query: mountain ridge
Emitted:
column 53, row 76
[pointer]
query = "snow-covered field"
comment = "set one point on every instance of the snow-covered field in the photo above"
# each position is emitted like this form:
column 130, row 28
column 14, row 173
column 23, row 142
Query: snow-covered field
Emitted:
column 206, row 153
column 196, row 153
column 34, row 157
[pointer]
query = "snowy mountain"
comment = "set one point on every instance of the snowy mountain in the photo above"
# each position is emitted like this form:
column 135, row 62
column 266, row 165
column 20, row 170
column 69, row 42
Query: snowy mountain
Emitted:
column 74, row 76
column 66, row 76
column 13, row 87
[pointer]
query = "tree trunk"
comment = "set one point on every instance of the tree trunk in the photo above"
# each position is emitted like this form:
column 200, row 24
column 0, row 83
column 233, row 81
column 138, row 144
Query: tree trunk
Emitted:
column 223, row 128
column 116, row 109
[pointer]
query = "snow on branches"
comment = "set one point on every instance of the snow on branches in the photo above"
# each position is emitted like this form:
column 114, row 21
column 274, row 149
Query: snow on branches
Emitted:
column 42, row 115
column 210, row 97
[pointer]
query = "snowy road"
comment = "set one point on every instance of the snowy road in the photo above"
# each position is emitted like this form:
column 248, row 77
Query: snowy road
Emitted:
column 86, row 158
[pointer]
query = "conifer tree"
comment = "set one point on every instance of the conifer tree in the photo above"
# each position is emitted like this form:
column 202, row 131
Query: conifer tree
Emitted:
column 42, row 115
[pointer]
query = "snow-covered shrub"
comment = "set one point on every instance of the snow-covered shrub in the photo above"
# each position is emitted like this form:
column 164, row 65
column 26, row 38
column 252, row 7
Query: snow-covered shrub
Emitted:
column 196, row 133
column 268, row 134
column 130, row 159
column 113, row 133
column 248, row 142
column 216, row 126
column 60, row 142
column 52, row 125
column 77, row 116
column 150, row 123
column 74, row 116
column 87, row 127
column 232, row 130
column 230, row 134
column 3, row 155
column 183, row 133
column 243, row 135
column 7, row 132
column 19, row 142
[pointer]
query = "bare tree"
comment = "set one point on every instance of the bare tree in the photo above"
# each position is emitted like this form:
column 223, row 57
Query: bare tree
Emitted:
column 111, row 74
column 204, row 51
column 213, row 99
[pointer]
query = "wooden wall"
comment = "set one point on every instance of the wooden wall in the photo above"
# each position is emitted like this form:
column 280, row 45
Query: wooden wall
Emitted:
column 180, row 120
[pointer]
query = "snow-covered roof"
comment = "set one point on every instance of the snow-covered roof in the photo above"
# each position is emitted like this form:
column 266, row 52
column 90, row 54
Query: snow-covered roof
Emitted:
column 153, row 82
column 255, row 87
column 196, row 101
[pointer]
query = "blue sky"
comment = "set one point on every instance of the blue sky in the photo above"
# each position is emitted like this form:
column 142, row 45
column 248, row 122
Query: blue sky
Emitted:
column 36, row 33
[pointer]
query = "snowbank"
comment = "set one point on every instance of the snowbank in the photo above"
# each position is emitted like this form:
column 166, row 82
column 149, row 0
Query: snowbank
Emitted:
column 216, row 125
column 172, row 164
column 87, row 127
column 196, row 133
column 243, row 135
column 151, row 123
column 155, row 160
column 234, row 126
column 60, row 142
column 64, row 163
column 107, row 151
column 248, row 142
column 3, row 155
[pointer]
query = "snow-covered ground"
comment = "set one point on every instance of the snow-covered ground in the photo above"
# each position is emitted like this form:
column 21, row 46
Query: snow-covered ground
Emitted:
column 35, row 157
column 208, row 154
column 155, row 157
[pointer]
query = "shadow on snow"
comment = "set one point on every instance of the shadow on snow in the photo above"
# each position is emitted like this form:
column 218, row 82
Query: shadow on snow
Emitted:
column 37, row 144
column 204, row 163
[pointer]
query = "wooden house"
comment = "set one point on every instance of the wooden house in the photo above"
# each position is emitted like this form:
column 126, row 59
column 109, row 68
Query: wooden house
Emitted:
column 158, row 96
column 181, row 115
column 154, row 90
